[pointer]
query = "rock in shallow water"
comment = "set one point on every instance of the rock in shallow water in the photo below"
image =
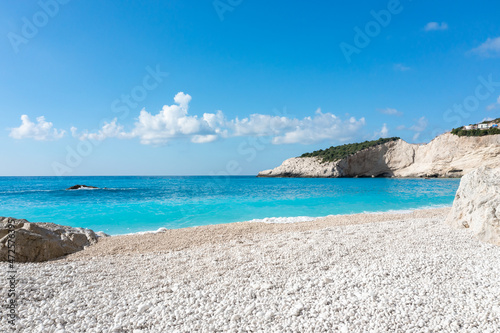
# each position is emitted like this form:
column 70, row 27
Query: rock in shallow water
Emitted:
column 80, row 187
column 35, row 242
column 477, row 204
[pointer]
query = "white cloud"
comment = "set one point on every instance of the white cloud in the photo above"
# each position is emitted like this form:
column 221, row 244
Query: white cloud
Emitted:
column 41, row 130
column 434, row 26
column 401, row 68
column 489, row 49
column 420, row 125
column 384, row 132
column 204, row 138
column 261, row 125
column 171, row 122
column 494, row 105
column 108, row 130
column 323, row 126
column 174, row 122
column 391, row 111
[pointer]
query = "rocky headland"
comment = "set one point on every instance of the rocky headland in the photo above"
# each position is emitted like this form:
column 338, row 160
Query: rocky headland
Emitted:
column 448, row 155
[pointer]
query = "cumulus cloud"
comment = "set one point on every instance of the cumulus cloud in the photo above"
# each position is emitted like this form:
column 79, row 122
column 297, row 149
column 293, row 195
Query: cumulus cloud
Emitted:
column 383, row 133
column 171, row 122
column 435, row 26
column 174, row 122
column 42, row 130
column 489, row 49
column 391, row 111
column 323, row 126
column 261, row 125
column 204, row 138
column 401, row 68
column 420, row 125
column 494, row 105
column 108, row 130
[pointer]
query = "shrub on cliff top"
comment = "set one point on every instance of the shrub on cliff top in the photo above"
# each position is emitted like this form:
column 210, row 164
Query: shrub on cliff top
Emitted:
column 461, row 131
column 475, row 132
column 336, row 153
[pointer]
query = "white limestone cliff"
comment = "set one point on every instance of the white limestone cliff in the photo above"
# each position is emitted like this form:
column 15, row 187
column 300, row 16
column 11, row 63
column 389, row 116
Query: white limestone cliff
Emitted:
column 447, row 155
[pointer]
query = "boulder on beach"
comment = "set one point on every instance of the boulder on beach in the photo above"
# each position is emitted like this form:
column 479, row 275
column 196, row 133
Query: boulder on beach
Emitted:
column 477, row 204
column 102, row 234
column 80, row 187
column 35, row 242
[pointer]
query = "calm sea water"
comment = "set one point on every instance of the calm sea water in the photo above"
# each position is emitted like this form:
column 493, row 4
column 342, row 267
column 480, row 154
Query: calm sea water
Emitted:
column 134, row 204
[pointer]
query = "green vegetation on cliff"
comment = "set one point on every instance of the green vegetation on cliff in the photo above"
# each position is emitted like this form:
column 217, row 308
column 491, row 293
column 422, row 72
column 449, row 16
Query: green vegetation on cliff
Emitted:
column 339, row 152
column 475, row 132
column 461, row 131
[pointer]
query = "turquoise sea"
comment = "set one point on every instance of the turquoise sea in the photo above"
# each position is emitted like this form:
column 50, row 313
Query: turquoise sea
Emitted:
column 134, row 204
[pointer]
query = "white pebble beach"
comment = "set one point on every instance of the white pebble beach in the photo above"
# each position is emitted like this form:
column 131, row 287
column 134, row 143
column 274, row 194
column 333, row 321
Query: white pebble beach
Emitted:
column 357, row 273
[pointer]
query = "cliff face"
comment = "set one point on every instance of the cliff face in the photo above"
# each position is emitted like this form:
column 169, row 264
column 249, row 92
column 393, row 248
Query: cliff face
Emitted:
column 476, row 205
column 447, row 155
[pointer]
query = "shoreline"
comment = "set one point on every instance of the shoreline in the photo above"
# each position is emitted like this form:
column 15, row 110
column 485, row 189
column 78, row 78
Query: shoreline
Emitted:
column 285, row 219
column 190, row 237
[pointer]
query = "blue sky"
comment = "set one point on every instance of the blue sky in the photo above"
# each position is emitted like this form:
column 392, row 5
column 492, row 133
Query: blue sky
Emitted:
column 233, row 87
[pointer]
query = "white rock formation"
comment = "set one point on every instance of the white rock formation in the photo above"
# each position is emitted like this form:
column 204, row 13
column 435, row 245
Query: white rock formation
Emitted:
column 447, row 155
column 477, row 204
column 34, row 242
